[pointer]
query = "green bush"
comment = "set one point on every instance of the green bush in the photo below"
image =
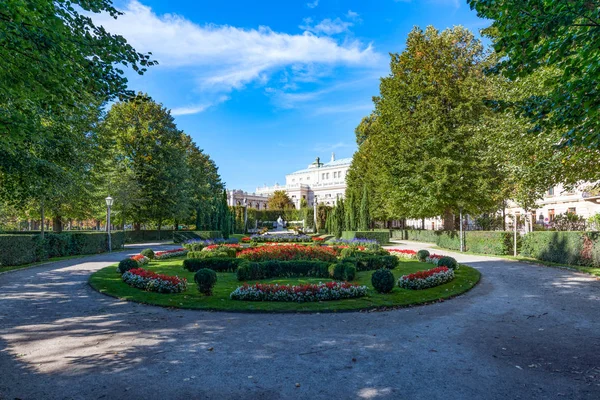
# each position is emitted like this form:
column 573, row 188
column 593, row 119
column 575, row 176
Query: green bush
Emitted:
column 383, row 280
column 422, row 255
column 182, row 236
column 148, row 253
column 58, row 244
column 195, row 246
column 419, row 235
column 449, row 240
column 20, row 249
column 205, row 280
column 350, row 252
column 221, row 252
column 349, row 272
column 342, row 271
column 216, row 264
column 448, row 262
column 368, row 262
column 274, row 269
column 382, row 236
column 558, row 247
column 126, row 264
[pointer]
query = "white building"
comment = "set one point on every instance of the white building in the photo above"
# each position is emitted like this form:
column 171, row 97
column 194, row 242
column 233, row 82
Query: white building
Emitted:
column 556, row 201
column 323, row 182
column 253, row 200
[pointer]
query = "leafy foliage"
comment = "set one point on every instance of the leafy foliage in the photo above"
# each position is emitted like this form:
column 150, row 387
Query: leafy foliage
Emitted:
column 280, row 201
column 205, row 280
column 383, row 280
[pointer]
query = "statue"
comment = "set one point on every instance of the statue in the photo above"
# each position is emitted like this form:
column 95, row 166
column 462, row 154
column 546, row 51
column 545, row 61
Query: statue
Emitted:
column 279, row 223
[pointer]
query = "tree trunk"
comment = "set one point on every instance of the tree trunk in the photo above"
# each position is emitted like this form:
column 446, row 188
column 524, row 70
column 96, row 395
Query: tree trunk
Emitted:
column 448, row 220
column 97, row 224
column 137, row 226
column 504, row 215
column 57, row 225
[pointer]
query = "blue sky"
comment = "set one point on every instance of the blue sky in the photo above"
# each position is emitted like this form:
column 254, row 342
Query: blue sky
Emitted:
column 265, row 87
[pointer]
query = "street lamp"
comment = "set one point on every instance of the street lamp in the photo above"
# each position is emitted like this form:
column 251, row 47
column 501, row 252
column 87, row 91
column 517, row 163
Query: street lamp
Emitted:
column 109, row 203
column 245, row 215
column 315, row 212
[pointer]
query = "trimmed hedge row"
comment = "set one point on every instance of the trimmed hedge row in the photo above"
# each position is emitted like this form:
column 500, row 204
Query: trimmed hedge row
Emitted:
column 142, row 236
column 219, row 264
column 382, row 236
column 493, row 242
column 182, row 236
column 373, row 262
column 574, row 248
column 274, row 268
column 24, row 249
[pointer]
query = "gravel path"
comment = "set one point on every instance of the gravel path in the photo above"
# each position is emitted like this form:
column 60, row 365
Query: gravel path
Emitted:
column 524, row 332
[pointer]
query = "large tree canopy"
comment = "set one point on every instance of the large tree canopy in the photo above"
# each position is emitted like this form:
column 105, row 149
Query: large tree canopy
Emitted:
column 421, row 152
column 565, row 35
column 54, row 62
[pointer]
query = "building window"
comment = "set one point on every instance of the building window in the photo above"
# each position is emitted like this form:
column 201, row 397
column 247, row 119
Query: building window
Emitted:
column 551, row 191
column 323, row 175
column 328, row 175
column 308, row 178
column 572, row 210
column 551, row 215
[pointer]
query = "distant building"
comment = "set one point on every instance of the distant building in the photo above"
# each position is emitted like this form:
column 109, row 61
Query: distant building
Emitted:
column 324, row 183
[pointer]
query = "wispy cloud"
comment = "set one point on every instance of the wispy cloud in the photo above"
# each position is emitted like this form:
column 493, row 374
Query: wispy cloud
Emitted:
column 223, row 57
column 197, row 108
column 343, row 108
column 327, row 26
column 312, row 4
column 352, row 15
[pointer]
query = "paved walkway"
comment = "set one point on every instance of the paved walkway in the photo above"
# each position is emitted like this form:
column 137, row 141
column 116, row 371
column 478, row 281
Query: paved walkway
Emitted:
column 525, row 332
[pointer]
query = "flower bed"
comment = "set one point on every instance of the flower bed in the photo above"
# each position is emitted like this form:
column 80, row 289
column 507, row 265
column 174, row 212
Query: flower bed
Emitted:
column 426, row 279
column 300, row 293
column 281, row 238
column 163, row 255
column 140, row 259
column 433, row 258
column 288, row 253
column 352, row 242
column 153, row 282
column 408, row 254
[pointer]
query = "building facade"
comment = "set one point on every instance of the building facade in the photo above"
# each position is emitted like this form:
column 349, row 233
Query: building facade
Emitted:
column 558, row 200
column 323, row 183
column 253, row 200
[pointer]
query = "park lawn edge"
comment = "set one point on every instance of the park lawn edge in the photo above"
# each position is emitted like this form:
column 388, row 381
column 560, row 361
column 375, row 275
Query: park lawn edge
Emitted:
column 95, row 285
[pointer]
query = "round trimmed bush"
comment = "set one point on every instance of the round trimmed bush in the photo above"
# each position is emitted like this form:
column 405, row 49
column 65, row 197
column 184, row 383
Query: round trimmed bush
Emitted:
column 148, row 253
column 422, row 255
column 383, row 280
column 350, row 272
column 126, row 264
column 448, row 262
column 205, row 279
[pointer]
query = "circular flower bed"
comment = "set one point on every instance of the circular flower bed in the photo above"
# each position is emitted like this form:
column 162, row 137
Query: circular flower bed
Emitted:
column 288, row 253
column 426, row 279
column 153, row 282
column 299, row 293
column 163, row 255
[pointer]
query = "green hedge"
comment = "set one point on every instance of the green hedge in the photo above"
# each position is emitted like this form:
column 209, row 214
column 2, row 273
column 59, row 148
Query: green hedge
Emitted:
column 223, row 264
column 182, row 236
column 142, row 236
column 273, row 269
column 382, row 236
column 25, row 249
column 373, row 262
column 484, row 242
column 558, row 247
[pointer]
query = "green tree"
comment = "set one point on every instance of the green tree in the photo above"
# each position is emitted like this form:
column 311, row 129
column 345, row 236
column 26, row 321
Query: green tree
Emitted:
column 364, row 222
column 422, row 152
column 565, row 35
column 280, row 201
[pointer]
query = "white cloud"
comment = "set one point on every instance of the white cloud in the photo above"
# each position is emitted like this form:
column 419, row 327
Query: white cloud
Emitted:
column 344, row 108
column 222, row 57
column 326, row 26
column 352, row 15
column 327, row 147
column 197, row 108
column 312, row 4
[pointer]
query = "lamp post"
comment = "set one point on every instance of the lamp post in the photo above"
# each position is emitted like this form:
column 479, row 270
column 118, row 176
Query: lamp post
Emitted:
column 462, row 242
column 245, row 215
column 109, row 203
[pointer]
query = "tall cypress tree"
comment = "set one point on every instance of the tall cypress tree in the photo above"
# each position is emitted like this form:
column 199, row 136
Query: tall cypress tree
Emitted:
column 364, row 217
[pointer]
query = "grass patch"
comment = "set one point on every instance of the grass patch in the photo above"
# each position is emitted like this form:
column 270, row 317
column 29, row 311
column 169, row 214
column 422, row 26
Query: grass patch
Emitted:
column 108, row 281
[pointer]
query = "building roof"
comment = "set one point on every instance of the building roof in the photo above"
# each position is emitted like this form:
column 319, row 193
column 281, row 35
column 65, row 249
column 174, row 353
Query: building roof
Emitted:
column 336, row 163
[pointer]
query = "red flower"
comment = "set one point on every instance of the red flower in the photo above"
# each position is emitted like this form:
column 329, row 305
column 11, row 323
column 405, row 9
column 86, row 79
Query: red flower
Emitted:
column 246, row 239
column 288, row 252
column 425, row 274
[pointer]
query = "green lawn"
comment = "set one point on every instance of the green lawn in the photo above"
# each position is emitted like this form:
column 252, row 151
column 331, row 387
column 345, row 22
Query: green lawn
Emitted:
column 108, row 281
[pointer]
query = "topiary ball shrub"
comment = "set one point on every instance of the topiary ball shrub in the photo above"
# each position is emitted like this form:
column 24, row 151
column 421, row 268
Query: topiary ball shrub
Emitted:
column 148, row 253
column 126, row 264
column 205, row 280
column 383, row 280
column 422, row 255
column 448, row 262
column 350, row 272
